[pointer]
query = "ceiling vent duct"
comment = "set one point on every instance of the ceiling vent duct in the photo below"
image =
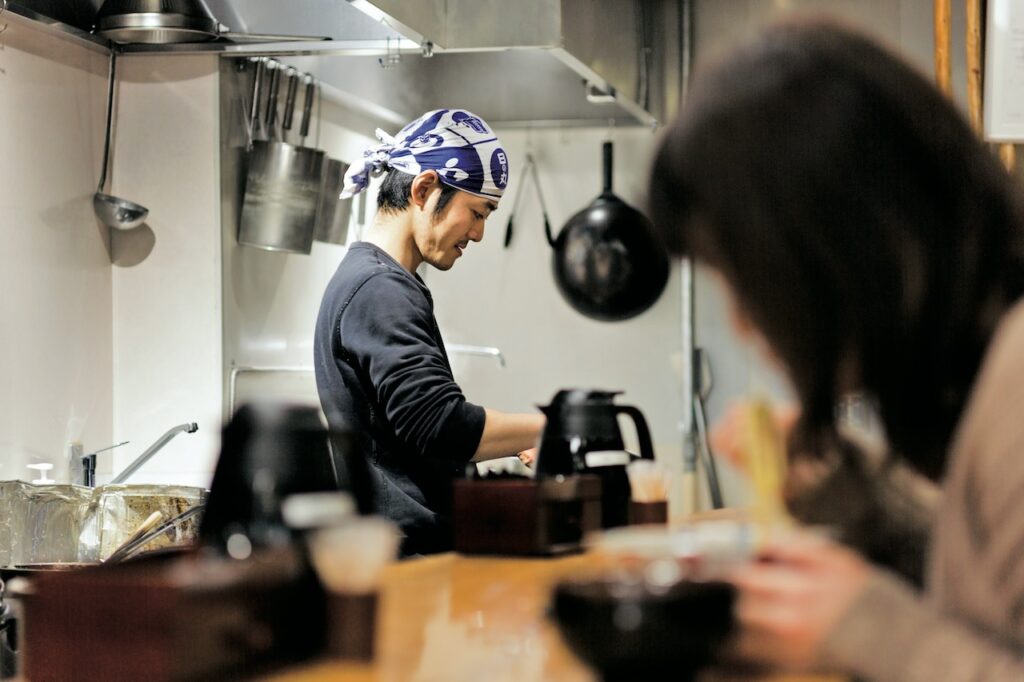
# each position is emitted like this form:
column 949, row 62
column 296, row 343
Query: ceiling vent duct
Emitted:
column 164, row 22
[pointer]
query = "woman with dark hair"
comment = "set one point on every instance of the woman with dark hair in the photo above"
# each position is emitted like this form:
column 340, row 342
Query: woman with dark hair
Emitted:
column 877, row 247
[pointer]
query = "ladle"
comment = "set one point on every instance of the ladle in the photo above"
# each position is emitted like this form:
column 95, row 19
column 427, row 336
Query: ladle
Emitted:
column 114, row 211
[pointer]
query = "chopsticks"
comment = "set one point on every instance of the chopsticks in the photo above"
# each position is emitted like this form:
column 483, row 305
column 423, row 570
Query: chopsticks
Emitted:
column 137, row 540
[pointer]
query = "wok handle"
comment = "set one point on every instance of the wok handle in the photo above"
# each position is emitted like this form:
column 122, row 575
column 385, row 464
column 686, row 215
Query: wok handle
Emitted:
column 643, row 434
column 607, row 165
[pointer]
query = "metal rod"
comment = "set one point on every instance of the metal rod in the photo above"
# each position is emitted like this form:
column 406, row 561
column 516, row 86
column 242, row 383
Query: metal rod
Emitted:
column 110, row 113
column 485, row 351
column 109, row 447
column 686, row 294
column 706, row 457
column 686, row 305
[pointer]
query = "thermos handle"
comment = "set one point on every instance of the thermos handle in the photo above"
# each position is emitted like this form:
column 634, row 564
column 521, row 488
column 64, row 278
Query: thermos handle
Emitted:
column 643, row 434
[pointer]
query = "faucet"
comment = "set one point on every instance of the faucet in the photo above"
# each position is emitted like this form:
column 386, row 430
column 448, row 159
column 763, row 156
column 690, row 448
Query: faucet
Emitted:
column 190, row 427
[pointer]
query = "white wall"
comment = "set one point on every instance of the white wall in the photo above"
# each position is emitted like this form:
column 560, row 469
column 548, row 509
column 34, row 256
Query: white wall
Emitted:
column 55, row 303
column 166, row 279
column 904, row 25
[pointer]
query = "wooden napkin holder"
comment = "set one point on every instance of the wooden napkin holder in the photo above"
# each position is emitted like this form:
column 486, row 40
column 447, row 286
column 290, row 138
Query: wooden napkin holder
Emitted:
column 514, row 516
column 186, row 618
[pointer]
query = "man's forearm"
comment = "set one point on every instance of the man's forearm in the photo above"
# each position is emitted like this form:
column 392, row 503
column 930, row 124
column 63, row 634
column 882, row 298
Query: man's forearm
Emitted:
column 505, row 434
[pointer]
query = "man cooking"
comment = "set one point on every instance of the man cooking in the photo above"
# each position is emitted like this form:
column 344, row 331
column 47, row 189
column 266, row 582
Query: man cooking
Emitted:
column 381, row 367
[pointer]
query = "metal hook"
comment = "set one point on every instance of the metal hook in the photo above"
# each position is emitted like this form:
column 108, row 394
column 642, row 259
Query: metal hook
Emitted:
column 390, row 58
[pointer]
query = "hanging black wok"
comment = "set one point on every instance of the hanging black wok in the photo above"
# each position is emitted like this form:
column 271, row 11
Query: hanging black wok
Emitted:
column 607, row 262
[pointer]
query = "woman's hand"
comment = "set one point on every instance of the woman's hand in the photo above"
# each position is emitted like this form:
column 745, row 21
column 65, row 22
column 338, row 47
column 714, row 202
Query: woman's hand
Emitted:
column 728, row 440
column 791, row 598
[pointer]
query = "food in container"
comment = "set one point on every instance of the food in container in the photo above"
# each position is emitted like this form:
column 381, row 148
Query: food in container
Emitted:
column 41, row 523
column 67, row 524
column 121, row 508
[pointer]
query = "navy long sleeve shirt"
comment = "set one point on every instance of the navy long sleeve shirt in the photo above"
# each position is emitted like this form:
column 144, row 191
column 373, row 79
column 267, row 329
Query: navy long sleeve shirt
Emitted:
column 382, row 374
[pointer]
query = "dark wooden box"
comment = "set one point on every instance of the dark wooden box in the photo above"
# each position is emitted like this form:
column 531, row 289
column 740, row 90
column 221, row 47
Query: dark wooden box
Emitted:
column 188, row 618
column 525, row 516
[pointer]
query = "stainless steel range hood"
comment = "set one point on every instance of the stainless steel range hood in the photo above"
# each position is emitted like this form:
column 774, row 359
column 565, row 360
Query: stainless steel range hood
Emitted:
column 514, row 62
column 536, row 61
column 521, row 62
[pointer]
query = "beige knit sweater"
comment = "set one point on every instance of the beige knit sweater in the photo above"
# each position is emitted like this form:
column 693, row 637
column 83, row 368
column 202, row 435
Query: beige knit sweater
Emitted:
column 969, row 623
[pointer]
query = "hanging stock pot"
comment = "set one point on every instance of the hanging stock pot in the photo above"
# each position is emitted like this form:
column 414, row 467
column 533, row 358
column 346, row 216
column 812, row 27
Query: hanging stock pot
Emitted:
column 283, row 184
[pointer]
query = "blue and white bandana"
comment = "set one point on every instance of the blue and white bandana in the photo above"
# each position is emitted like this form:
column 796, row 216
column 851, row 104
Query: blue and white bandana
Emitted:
column 463, row 150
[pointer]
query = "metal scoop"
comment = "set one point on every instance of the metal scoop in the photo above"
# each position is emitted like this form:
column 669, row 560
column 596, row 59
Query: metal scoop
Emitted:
column 114, row 211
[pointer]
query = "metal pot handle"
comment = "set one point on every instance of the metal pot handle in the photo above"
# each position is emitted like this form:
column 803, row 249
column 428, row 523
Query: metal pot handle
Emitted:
column 307, row 107
column 254, row 109
column 275, row 79
column 289, row 101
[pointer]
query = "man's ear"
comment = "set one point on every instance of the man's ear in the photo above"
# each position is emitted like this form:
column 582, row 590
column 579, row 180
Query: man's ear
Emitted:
column 422, row 185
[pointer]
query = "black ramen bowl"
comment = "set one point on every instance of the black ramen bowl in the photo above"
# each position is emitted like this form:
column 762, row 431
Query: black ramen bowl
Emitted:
column 635, row 631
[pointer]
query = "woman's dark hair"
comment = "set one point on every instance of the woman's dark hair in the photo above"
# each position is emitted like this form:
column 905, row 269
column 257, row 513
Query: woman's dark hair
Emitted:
column 395, row 190
column 863, row 227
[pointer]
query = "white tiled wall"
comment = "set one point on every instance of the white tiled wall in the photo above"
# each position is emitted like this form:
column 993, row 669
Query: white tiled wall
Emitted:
column 55, row 278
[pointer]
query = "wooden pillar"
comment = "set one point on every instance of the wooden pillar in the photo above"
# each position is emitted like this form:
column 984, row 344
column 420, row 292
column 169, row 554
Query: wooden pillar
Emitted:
column 974, row 60
column 943, row 67
column 1008, row 155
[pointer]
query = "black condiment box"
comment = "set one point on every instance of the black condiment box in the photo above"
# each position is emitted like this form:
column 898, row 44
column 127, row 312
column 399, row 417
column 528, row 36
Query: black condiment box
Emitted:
column 546, row 516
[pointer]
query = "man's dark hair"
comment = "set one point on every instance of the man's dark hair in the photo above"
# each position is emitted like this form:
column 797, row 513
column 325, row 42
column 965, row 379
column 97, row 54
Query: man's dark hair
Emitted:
column 865, row 229
column 396, row 189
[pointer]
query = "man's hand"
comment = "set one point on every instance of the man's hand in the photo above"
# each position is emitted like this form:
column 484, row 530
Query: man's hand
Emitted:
column 528, row 457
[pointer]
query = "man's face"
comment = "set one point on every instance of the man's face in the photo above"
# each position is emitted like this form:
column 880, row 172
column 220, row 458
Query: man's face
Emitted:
column 442, row 239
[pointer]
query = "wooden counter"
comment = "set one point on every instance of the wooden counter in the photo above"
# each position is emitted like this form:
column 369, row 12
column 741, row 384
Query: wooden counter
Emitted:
column 453, row 617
